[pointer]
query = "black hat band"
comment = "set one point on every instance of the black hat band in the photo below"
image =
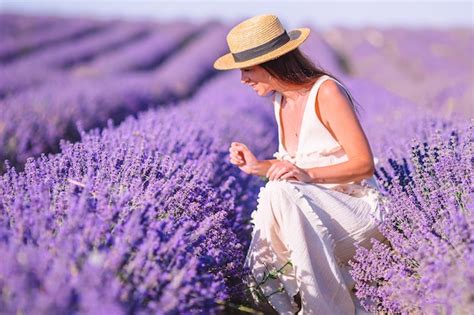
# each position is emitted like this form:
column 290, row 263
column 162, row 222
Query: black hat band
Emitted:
column 267, row 47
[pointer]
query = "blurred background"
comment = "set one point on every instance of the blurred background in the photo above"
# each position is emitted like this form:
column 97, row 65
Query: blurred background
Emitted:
column 322, row 14
column 70, row 62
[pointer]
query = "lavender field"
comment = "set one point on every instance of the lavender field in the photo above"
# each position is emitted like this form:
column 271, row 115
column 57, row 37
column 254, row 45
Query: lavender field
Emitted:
column 117, row 195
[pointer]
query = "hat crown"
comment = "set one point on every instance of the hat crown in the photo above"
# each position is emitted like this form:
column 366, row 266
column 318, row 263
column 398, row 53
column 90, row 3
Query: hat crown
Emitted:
column 254, row 32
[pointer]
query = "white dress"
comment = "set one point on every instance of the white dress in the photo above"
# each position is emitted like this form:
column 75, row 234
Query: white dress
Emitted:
column 304, row 234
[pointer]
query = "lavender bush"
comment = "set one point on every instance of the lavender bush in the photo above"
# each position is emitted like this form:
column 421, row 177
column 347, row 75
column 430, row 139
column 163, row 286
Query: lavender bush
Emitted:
column 427, row 264
column 135, row 239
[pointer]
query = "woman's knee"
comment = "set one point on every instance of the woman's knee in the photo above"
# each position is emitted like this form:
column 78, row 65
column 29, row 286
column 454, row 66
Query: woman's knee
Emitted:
column 278, row 189
column 276, row 201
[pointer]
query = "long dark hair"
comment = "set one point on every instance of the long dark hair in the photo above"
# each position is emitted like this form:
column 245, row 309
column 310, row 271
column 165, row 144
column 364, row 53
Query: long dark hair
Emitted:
column 296, row 68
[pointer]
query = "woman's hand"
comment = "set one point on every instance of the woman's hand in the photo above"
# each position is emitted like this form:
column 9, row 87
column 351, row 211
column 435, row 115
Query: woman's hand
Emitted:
column 287, row 170
column 241, row 156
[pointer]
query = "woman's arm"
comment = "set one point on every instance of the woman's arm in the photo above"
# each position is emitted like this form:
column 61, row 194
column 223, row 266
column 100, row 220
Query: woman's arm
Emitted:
column 241, row 156
column 337, row 114
column 345, row 172
column 262, row 166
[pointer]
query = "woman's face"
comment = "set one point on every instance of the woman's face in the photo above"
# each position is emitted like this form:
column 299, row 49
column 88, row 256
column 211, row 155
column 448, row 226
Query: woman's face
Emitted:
column 258, row 78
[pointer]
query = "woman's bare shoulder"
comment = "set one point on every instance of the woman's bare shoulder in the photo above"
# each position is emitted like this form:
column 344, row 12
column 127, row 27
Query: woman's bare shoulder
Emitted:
column 333, row 103
column 333, row 96
column 329, row 88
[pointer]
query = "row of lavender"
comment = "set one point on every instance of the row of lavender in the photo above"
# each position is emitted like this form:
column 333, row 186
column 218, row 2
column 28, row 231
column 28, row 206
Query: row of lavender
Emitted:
column 23, row 35
column 14, row 25
column 117, row 71
column 90, row 44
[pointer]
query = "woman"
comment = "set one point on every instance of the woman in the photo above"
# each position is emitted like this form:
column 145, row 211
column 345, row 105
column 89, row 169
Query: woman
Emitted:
column 321, row 197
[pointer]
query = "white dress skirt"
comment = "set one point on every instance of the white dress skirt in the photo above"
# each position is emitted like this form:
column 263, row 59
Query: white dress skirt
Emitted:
column 303, row 237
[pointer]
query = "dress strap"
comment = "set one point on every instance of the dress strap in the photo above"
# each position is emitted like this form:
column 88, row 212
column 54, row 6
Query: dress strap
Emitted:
column 311, row 101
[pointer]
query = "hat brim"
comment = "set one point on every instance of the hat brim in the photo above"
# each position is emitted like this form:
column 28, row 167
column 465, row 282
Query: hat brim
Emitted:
column 297, row 37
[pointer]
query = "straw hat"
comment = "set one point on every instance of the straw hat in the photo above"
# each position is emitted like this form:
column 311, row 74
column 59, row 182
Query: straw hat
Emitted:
column 259, row 39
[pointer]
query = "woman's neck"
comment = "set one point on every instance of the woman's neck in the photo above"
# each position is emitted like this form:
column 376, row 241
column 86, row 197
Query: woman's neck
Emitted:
column 294, row 93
